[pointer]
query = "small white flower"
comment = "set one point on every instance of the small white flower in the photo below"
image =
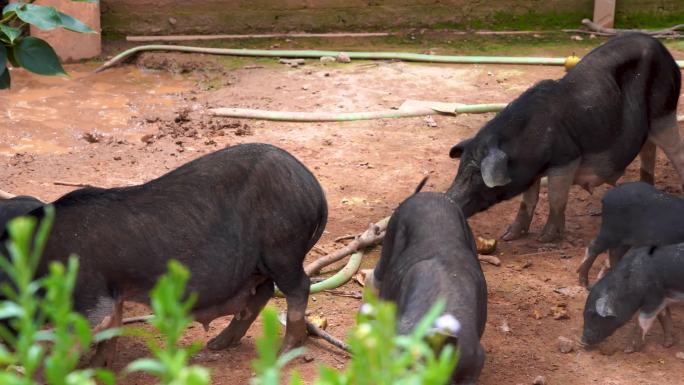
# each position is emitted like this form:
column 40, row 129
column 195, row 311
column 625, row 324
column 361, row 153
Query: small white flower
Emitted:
column 447, row 323
column 366, row 309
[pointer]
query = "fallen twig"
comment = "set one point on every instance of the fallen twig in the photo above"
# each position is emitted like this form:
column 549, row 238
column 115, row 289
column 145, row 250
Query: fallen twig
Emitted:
column 343, row 293
column 133, row 320
column 492, row 260
column 370, row 237
column 72, row 184
column 345, row 237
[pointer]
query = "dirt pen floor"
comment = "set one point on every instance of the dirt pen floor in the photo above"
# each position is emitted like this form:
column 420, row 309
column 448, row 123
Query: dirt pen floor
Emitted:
column 134, row 123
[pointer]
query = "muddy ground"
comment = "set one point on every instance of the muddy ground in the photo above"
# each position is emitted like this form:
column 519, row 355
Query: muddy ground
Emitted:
column 136, row 122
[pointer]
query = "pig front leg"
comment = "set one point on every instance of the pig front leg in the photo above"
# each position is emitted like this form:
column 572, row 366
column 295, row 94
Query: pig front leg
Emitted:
column 665, row 318
column 521, row 224
column 560, row 181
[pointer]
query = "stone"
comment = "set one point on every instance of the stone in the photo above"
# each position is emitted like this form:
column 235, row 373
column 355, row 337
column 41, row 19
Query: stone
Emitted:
column 565, row 345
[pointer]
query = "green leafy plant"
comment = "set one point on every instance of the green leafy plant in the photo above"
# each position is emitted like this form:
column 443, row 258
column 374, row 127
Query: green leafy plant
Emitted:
column 30, row 52
column 379, row 355
column 34, row 354
column 171, row 318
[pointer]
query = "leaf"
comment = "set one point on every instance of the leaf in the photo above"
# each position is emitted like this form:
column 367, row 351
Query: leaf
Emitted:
column 147, row 365
column 10, row 310
column 41, row 16
column 5, row 79
column 105, row 375
column 73, row 24
column 38, row 57
column 107, row 334
column 12, row 33
column 11, row 7
column 13, row 61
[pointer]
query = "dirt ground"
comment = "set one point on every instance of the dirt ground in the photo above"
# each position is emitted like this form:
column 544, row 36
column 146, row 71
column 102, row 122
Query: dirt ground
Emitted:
column 134, row 123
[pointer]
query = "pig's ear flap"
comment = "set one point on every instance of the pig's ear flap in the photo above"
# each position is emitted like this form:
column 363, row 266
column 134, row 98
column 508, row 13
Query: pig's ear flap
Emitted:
column 458, row 149
column 604, row 306
column 494, row 168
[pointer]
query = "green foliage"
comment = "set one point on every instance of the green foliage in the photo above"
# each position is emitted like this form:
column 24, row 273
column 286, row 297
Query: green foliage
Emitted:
column 32, row 53
column 170, row 362
column 34, row 355
column 379, row 355
column 26, row 313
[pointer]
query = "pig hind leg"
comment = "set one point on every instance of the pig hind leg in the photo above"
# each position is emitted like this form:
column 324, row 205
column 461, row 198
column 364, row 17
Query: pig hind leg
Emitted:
column 665, row 134
column 105, row 351
column 648, row 160
column 291, row 279
column 521, row 224
column 231, row 335
column 560, row 181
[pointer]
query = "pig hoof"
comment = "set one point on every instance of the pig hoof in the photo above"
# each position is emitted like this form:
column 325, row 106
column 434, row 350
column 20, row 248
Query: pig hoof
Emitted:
column 550, row 235
column 513, row 233
column 669, row 341
column 218, row 343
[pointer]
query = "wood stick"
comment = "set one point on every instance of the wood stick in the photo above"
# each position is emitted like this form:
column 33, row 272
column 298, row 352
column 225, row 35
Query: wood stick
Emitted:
column 72, row 184
column 370, row 237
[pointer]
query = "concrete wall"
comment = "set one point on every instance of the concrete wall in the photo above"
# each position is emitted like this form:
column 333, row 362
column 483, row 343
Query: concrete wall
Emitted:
column 121, row 17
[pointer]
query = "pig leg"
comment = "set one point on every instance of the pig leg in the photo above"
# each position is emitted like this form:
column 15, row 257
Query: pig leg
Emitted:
column 105, row 352
column 521, row 224
column 648, row 159
column 294, row 283
column 231, row 335
column 665, row 318
column 596, row 247
column 560, row 181
column 665, row 134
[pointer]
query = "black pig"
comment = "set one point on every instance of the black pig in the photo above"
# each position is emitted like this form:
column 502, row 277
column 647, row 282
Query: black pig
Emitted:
column 584, row 129
column 633, row 215
column 646, row 280
column 429, row 252
column 239, row 219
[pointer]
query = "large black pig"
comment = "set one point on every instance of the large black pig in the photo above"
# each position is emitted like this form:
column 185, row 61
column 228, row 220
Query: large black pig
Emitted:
column 645, row 281
column 429, row 253
column 584, row 129
column 634, row 215
column 240, row 219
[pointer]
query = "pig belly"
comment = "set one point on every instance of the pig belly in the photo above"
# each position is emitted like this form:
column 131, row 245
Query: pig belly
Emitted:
column 595, row 171
column 233, row 305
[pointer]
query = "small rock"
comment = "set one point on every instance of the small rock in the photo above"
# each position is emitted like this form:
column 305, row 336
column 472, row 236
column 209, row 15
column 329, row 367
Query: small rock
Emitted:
column 92, row 137
column 540, row 380
column 430, row 121
column 172, row 20
column 305, row 87
column 680, row 355
column 504, row 327
column 147, row 138
column 343, row 58
column 576, row 38
column 327, row 59
column 565, row 345
column 308, row 358
column 117, row 158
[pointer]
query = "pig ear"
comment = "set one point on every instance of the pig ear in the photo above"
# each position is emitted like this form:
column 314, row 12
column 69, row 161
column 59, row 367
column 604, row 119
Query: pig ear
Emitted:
column 604, row 306
column 458, row 149
column 494, row 168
